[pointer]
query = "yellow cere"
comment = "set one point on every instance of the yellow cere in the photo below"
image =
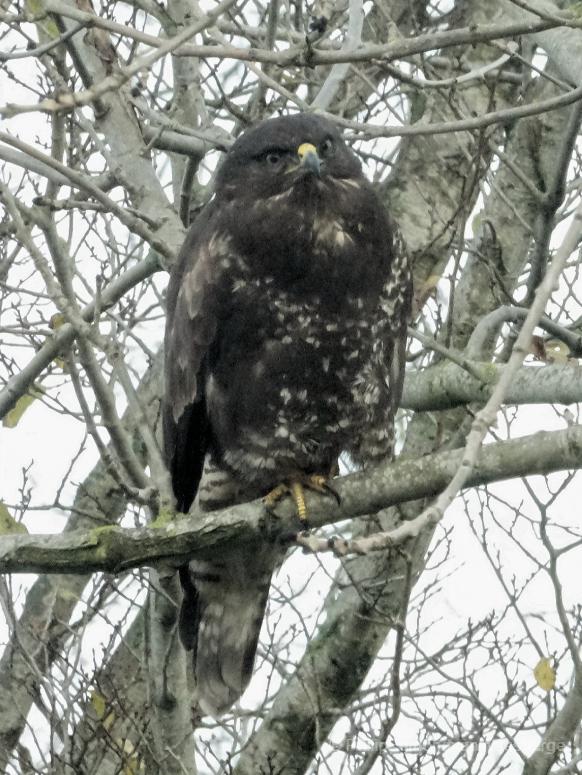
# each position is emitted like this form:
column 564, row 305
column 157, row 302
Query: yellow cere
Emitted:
column 306, row 148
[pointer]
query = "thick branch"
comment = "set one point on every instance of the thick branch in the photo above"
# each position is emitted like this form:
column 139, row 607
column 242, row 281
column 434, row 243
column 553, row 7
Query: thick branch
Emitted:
column 114, row 549
column 558, row 735
column 447, row 386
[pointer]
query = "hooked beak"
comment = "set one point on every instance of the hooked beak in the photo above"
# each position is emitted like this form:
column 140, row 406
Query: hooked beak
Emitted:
column 308, row 158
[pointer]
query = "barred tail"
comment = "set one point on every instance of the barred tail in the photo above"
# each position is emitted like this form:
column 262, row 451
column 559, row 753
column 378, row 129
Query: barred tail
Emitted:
column 220, row 621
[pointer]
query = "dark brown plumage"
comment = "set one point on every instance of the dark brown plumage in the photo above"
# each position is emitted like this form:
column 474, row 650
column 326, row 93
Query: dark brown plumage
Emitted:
column 287, row 314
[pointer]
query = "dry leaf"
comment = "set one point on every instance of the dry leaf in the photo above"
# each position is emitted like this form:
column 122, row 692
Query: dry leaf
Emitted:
column 557, row 351
column 549, row 350
column 13, row 417
column 426, row 290
column 545, row 674
column 7, row 522
column 99, row 704
column 57, row 320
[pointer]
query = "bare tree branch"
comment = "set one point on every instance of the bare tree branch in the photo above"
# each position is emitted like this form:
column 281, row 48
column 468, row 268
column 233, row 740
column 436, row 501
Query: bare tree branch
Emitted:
column 116, row 549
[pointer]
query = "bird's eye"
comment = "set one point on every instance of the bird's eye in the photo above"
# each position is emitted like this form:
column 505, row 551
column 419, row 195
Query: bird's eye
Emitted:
column 273, row 158
column 327, row 148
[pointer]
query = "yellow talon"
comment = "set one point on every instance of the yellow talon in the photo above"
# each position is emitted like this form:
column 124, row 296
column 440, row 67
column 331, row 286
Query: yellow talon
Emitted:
column 275, row 495
column 296, row 488
column 299, row 498
column 318, row 482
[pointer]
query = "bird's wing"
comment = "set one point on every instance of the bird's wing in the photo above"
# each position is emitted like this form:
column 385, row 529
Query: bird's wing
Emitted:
column 193, row 310
column 224, row 597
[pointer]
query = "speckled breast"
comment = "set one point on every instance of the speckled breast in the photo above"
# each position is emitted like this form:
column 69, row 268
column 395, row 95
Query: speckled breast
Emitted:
column 308, row 383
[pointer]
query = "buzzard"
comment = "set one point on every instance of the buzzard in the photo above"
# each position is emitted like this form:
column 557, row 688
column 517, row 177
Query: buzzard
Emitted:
column 285, row 337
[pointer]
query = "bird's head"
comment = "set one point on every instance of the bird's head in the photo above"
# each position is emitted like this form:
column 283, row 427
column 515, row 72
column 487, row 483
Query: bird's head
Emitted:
column 294, row 201
column 297, row 156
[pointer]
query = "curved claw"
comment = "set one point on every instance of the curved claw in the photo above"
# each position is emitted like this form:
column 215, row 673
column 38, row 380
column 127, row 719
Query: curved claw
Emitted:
column 333, row 492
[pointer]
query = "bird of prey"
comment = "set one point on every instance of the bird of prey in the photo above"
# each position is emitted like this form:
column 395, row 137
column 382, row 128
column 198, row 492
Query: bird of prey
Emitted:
column 287, row 312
